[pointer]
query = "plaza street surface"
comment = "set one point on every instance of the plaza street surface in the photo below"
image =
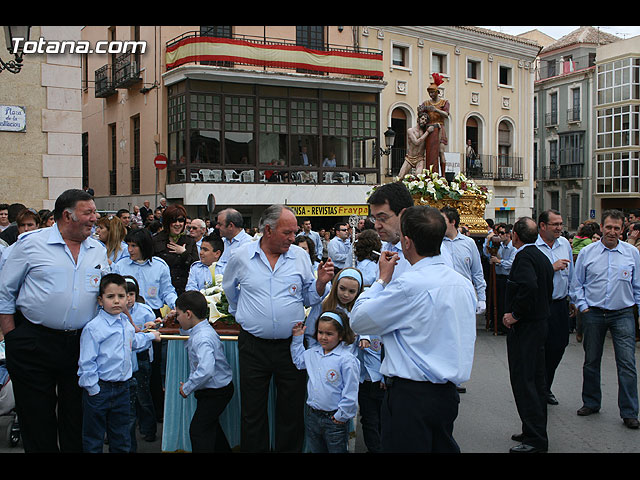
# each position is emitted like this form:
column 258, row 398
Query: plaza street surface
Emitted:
column 488, row 417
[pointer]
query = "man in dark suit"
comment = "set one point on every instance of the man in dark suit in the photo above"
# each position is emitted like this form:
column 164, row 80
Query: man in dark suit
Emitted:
column 527, row 305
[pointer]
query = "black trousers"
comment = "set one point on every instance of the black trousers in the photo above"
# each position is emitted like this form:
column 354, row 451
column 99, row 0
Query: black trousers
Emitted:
column 43, row 365
column 557, row 338
column 261, row 360
column 526, row 356
column 417, row 417
column 205, row 432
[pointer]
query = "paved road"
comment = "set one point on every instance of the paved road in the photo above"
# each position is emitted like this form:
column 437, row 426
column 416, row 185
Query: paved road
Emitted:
column 488, row 416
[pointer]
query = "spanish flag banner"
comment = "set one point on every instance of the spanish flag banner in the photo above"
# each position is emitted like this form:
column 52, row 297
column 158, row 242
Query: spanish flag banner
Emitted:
column 214, row 49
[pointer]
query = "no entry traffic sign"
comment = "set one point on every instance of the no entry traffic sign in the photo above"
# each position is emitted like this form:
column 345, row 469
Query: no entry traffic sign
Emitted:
column 160, row 161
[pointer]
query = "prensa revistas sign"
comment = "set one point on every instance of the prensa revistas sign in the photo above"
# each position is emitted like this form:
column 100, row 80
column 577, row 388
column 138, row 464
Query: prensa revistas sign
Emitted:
column 330, row 210
column 12, row 118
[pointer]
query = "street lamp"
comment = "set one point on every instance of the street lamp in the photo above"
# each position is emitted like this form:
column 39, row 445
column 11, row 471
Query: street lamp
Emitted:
column 11, row 34
column 389, row 138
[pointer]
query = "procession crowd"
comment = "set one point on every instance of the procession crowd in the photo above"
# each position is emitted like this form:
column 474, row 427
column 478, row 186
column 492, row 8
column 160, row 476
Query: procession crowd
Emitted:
column 376, row 319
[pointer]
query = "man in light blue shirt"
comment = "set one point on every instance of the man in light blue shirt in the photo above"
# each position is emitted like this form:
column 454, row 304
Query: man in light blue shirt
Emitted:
column 605, row 287
column 426, row 317
column 268, row 284
column 465, row 256
column 48, row 292
column 558, row 251
column 231, row 227
column 339, row 248
column 313, row 235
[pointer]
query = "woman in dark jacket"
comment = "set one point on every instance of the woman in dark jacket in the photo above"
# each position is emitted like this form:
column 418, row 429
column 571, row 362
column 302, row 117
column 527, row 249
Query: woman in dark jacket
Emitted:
column 174, row 245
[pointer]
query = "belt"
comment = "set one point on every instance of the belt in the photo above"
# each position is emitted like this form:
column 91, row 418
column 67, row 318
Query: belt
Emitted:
column 55, row 331
column 389, row 381
column 323, row 413
column 604, row 310
column 267, row 340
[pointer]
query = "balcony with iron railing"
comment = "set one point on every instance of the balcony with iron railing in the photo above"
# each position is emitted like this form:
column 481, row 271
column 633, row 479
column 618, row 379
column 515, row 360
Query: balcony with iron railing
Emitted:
column 566, row 66
column 123, row 73
column 272, row 53
column 483, row 167
column 562, row 172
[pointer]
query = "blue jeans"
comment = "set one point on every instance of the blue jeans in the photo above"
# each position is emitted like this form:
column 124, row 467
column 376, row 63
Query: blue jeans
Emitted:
column 108, row 411
column 621, row 324
column 324, row 436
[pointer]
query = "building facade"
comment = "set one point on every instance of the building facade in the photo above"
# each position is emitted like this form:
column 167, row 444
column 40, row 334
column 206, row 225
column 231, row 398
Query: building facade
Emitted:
column 565, row 90
column 617, row 116
column 255, row 115
column 42, row 157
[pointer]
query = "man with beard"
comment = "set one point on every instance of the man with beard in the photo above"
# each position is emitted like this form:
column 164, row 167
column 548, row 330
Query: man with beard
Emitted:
column 415, row 156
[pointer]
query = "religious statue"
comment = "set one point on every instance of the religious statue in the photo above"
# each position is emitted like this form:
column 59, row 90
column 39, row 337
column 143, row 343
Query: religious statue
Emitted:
column 417, row 136
column 437, row 109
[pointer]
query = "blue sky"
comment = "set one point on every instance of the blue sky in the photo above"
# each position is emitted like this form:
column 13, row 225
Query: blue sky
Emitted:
column 557, row 31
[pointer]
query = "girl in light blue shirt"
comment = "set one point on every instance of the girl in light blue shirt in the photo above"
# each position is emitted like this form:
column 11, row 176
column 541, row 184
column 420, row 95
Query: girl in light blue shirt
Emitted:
column 332, row 386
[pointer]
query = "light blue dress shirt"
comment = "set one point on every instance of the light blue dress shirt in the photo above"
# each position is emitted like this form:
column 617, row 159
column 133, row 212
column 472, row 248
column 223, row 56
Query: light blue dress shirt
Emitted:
column 317, row 241
column 340, row 253
column 561, row 249
column 122, row 253
column 142, row 313
column 207, row 362
column 506, row 253
column 268, row 302
column 606, row 278
column 466, row 261
column 402, row 264
column 154, row 280
column 106, row 346
column 369, row 270
column 426, row 319
column 333, row 378
column 199, row 276
column 230, row 246
column 41, row 279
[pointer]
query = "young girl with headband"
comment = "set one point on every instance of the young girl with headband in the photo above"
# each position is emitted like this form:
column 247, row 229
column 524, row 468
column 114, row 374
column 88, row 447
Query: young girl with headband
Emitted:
column 332, row 386
column 347, row 286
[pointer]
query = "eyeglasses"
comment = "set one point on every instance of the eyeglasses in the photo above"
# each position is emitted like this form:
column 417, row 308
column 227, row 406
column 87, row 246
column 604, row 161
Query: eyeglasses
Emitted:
column 192, row 228
column 343, row 230
column 180, row 219
column 557, row 224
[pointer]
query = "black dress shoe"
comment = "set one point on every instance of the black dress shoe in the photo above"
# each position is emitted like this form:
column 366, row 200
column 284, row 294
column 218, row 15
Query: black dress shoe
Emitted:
column 524, row 448
column 631, row 423
column 585, row 411
column 551, row 399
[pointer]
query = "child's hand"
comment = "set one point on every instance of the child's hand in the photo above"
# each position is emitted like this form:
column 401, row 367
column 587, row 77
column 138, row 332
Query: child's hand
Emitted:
column 156, row 335
column 298, row 329
column 150, row 325
column 364, row 343
column 181, row 392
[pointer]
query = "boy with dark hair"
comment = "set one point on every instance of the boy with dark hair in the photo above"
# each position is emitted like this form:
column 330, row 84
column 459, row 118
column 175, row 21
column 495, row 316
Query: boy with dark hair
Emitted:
column 210, row 378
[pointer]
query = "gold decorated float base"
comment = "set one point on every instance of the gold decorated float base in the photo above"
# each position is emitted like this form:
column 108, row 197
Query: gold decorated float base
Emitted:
column 470, row 207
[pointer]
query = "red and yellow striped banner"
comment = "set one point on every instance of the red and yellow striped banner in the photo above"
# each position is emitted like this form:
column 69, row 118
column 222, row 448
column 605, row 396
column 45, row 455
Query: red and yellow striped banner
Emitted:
column 213, row 49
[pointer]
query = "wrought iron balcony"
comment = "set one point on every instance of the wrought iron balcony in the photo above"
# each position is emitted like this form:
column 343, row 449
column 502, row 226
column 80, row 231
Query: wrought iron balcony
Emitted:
column 104, row 82
column 126, row 70
column 556, row 67
column 563, row 172
column 195, row 48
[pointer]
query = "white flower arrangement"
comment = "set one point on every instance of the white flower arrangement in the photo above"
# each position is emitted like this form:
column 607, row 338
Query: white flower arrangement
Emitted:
column 431, row 184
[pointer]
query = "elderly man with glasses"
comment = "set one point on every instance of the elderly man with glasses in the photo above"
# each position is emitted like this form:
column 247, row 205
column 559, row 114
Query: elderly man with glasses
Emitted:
column 197, row 230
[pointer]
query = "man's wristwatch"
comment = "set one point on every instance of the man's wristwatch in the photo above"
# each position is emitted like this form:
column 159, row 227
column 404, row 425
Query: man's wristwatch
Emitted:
column 381, row 282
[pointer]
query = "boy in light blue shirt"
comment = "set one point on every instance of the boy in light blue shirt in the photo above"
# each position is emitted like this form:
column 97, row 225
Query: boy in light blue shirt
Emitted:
column 201, row 274
column 210, row 377
column 105, row 368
